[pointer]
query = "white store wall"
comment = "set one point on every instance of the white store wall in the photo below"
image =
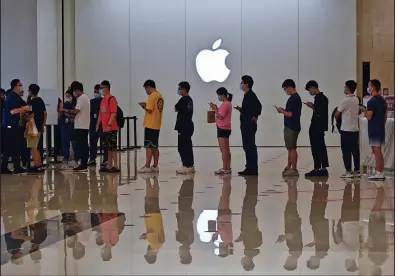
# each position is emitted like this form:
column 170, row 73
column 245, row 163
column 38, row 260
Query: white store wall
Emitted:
column 269, row 39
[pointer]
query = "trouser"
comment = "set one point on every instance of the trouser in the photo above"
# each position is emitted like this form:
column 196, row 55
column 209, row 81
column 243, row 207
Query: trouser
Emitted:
column 40, row 146
column 350, row 147
column 12, row 147
column 67, row 132
column 248, row 130
column 94, row 136
column 25, row 152
column 185, row 149
column 81, row 145
column 318, row 148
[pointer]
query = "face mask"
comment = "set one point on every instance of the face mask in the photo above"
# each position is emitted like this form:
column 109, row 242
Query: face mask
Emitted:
column 219, row 98
column 311, row 94
column 369, row 91
column 147, row 92
column 21, row 90
column 179, row 92
column 287, row 93
column 241, row 86
column 74, row 94
column 68, row 99
column 344, row 92
column 96, row 95
column 101, row 92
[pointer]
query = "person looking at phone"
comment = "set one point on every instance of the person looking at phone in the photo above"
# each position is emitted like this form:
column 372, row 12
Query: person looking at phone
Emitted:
column 223, row 122
column 185, row 128
column 249, row 113
column 152, row 124
column 319, row 124
column 291, row 131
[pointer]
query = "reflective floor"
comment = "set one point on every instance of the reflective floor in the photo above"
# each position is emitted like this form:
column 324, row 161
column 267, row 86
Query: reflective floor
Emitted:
column 98, row 224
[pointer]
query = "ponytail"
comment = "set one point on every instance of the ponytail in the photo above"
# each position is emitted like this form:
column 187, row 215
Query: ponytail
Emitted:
column 229, row 97
column 222, row 91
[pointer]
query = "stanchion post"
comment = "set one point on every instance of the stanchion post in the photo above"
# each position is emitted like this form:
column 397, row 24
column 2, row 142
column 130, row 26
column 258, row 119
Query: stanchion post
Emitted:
column 128, row 133
column 120, row 140
column 135, row 132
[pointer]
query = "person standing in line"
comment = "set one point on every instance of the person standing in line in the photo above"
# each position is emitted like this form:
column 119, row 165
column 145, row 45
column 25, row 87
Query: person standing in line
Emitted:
column 40, row 117
column 12, row 137
column 319, row 124
column 249, row 113
column 348, row 109
column 2, row 100
column 152, row 124
column 185, row 128
column 95, row 104
column 223, row 122
column 23, row 120
column 107, row 118
column 66, row 126
column 376, row 114
column 82, row 125
column 292, row 115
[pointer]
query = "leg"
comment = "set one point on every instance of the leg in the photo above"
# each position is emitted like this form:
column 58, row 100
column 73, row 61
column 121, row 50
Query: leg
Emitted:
column 155, row 153
column 313, row 142
column 181, row 149
column 286, row 138
column 323, row 151
column 190, row 159
column 355, row 150
column 346, row 150
column 93, row 144
column 148, row 157
column 8, row 144
column 85, row 148
column 65, row 141
column 245, row 143
column 40, row 147
column 293, row 159
column 36, row 157
column 77, row 145
column 15, row 147
column 379, row 158
column 252, row 165
column 225, row 152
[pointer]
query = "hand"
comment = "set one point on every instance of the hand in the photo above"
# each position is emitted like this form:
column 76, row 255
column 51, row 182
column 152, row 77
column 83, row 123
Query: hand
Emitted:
column 280, row 110
column 96, row 128
column 238, row 108
column 310, row 105
column 108, row 128
column 213, row 106
column 255, row 119
column 143, row 105
column 143, row 236
column 13, row 112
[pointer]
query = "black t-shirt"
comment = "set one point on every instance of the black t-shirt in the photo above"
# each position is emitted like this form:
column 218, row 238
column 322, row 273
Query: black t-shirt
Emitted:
column 320, row 116
column 184, row 109
column 38, row 109
column 378, row 106
column 294, row 105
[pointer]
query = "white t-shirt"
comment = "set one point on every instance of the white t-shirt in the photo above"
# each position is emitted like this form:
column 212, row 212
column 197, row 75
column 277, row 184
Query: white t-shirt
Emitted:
column 349, row 108
column 82, row 119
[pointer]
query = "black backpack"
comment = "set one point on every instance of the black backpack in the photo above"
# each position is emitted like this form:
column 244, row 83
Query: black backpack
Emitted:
column 119, row 115
column 338, row 121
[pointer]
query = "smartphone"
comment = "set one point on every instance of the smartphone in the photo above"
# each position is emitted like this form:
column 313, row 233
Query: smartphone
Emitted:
column 212, row 226
column 275, row 106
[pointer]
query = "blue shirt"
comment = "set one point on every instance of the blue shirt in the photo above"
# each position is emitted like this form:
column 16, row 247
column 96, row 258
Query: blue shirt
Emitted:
column 13, row 101
column 376, row 125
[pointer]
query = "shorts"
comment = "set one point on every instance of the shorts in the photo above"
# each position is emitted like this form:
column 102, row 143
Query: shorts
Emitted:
column 109, row 140
column 223, row 133
column 290, row 137
column 376, row 140
column 151, row 138
column 32, row 141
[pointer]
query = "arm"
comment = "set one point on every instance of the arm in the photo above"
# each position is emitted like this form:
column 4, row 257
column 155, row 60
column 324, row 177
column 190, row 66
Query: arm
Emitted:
column 98, row 122
column 113, row 110
column 369, row 111
column 178, row 106
column 150, row 105
column 20, row 110
column 286, row 113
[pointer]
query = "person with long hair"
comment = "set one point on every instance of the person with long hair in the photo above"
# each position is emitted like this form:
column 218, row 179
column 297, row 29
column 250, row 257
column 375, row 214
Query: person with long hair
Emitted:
column 223, row 122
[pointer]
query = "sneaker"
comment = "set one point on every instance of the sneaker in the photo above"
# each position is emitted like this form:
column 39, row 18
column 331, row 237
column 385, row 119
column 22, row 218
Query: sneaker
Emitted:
column 6, row 171
column 114, row 170
column 80, row 169
column 65, row 166
column 183, row 170
column 291, row 173
column 155, row 169
column 313, row 173
column 347, row 175
column 192, row 169
column 92, row 163
column 104, row 170
column 104, row 163
column 20, row 172
column 356, row 174
column 284, row 172
column 72, row 164
column 35, row 170
column 248, row 173
column 223, row 172
column 379, row 176
column 145, row 169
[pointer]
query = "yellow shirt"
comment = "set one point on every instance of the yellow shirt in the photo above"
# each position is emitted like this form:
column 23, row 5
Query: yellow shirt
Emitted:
column 153, row 120
column 155, row 230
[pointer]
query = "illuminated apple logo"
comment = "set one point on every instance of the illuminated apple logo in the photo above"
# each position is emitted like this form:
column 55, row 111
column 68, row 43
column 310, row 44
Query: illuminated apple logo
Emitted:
column 210, row 64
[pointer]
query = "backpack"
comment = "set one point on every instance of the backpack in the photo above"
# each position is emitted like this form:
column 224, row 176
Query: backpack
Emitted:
column 119, row 115
column 338, row 121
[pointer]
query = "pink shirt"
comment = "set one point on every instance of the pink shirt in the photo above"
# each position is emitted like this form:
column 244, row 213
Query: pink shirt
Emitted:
column 225, row 112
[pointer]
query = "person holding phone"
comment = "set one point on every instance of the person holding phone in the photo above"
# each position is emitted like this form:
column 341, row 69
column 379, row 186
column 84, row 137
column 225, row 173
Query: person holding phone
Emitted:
column 223, row 122
column 249, row 112
column 291, row 131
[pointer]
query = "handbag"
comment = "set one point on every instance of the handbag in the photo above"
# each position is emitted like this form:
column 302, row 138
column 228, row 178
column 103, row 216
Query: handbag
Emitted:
column 211, row 116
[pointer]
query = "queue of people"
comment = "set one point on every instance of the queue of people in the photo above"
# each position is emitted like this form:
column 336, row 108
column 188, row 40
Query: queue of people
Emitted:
column 83, row 121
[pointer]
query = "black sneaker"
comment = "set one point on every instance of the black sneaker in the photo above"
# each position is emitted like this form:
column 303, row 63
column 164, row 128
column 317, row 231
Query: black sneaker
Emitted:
column 114, row 170
column 6, row 171
column 104, row 163
column 104, row 170
column 323, row 173
column 248, row 173
column 92, row 163
column 19, row 171
column 35, row 170
column 313, row 173
column 80, row 169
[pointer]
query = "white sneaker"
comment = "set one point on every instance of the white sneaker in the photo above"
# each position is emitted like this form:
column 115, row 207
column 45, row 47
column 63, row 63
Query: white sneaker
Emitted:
column 192, row 170
column 65, row 166
column 347, row 175
column 155, row 170
column 145, row 169
column 183, row 170
column 73, row 164
column 377, row 177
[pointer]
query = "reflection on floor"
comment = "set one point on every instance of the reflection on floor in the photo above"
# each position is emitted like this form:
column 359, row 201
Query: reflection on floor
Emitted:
column 157, row 224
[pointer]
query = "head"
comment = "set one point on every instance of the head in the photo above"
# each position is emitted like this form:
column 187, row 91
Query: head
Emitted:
column 97, row 91
column 291, row 263
column 106, row 253
column 35, row 255
column 183, row 88
column 223, row 95
column 351, row 265
column 246, row 83
column 149, row 86
column 77, row 88
column 350, row 87
column 68, row 96
column 98, row 239
column 16, row 86
column 314, row 262
column 150, row 256
column 185, row 254
column 289, row 86
column 2, row 93
column 247, row 263
column 34, row 90
column 312, row 87
column 374, row 87
column 105, row 88
column 78, row 251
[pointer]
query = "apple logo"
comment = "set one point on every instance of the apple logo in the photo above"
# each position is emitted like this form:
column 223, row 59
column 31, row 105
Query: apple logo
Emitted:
column 211, row 64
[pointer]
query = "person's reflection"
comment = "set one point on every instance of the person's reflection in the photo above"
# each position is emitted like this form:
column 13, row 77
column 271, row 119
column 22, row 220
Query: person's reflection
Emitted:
column 293, row 234
column 96, row 204
column 319, row 224
column 224, row 220
column 153, row 220
column 185, row 216
column 249, row 232
column 377, row 243
column 348, row 230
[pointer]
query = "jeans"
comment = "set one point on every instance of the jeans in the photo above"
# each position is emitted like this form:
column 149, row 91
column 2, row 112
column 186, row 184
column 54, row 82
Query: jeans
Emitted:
column 248, row 130
column 350, row 148
column 94, row 137
column 67, row 132
column 25, row 152
column 81, row 145
column 12, row 147
column 318, row 148
column 185, row 149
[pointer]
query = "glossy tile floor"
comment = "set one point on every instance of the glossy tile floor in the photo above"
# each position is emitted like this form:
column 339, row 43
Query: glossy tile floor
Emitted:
column 92, row 224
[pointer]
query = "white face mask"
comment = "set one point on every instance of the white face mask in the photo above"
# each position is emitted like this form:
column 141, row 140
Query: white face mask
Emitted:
column 68, row 99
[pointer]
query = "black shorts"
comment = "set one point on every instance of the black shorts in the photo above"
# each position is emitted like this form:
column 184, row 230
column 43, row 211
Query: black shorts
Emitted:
column 151, row 138
column 223, row 133
column 110, row 140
